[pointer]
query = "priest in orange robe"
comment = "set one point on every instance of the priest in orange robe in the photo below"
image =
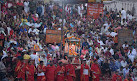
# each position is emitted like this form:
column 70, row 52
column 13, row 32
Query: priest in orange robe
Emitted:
column 50, row 72
column 60, row 72
column 41, row 72
column 128, row 78
column 84, row 71
column 116, row 77
column 30, row 71
column 20, row 69
column 70, row 71
column 95, row 71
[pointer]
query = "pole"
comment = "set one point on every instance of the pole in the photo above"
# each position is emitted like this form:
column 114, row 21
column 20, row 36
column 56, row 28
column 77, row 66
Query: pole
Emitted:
column 62, row 27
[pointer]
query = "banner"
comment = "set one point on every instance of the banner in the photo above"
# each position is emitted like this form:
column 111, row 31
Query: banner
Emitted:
column 53, row 36
column 125, row 35
column 94, row 9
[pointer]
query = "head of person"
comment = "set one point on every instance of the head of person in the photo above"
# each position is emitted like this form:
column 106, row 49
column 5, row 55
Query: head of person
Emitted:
column 87, row 56
column 84, row 61
column 41, row 62
column 116, row 72
column 69, row 61
column 126, row 67
column 51, row 63
column 60, row 64
column 124, row 20
column 121, row 68
column 55, row 43
column 129, row 77
column 77, row 56
column 106, row 61
column 95, row 61
column 65, row 57
column 97, row 57
column 104, row 26
column 30, row 62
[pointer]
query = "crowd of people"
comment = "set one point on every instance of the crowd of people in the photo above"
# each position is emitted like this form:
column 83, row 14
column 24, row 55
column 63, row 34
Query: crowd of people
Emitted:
column 25, row 56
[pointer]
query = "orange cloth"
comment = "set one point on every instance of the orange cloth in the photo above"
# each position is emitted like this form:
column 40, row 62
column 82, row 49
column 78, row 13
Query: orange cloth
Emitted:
column 116, row 78
column 66, row 47
column 41, row 78
column 36, row 47
column 60, row 71
column 128, row 80
column 20, row 70
column 115, row 39
column 50, row 73
column 84, row 77
column 95, row 72
column 70, row 72
column 72, row 49
column 30, row 72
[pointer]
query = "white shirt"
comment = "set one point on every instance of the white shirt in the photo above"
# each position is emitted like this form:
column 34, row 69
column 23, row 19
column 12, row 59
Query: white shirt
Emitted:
column 43, row 10
column 124, row 64
column 9, row 29
column 123, row 14
column 132, row 54
column 131, row 57
column 113, row 34
column 30, row 30
column 37, row 25
column 124, row 45
column 104, row 30
column 31, row 43
column 111, row 51
column 44, row 60
column 90, row 42
column 29, row 24
column 35, row 31
column 124, row 23
column 100, row 42
column 36, row 58
column 125, row 71
column 26, row 6
column 129, row 17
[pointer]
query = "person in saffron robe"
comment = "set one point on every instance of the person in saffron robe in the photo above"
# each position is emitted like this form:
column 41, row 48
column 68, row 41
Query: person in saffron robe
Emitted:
column 95, row 71
column 60, row 72
column 30, row 71
column 76, row 61
column 20, row 69
column 129, row 78
column 41, row 70
column 84, row 71
column 70, row 71
column 116, row 77
column 77, row 64
column 50, row 72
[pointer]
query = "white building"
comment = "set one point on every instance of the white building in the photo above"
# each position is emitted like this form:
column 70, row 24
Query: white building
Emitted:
column 119, row 4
